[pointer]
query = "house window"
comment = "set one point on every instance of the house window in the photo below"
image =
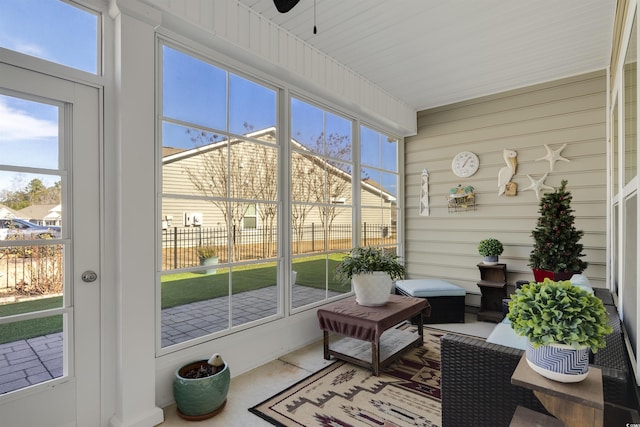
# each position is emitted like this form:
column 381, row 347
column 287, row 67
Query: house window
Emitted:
column 219, row 158
column 250, row 219
column 53, row 30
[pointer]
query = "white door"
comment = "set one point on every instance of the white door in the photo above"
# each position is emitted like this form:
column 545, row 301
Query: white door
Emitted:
column 50, row 366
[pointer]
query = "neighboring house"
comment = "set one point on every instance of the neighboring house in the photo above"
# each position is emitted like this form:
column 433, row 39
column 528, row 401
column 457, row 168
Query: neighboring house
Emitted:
column 252, row 173
column 7, row 213
column 42, row 214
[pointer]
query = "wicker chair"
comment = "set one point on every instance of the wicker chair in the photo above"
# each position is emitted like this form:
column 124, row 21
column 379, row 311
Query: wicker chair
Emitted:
column 476, row 383
column 476, row 378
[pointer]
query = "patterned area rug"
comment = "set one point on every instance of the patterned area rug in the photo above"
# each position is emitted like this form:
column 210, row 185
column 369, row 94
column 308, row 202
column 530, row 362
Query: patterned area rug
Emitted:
column 407, row 393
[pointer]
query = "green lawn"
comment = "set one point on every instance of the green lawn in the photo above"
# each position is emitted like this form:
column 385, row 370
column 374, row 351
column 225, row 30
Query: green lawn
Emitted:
column 33, row 327
column 185, row 288
column 179, row 289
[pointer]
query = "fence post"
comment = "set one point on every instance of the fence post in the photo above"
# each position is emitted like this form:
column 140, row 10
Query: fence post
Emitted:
column 364, row 233
column 313, row 237
column 175, row 247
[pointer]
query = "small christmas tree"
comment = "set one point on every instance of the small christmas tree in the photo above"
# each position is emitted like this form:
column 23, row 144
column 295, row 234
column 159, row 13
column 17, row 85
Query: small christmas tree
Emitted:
column 556, row 245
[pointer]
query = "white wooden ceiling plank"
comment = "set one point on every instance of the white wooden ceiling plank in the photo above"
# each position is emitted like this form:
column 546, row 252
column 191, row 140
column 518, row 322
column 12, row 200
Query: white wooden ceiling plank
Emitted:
column 430, row 52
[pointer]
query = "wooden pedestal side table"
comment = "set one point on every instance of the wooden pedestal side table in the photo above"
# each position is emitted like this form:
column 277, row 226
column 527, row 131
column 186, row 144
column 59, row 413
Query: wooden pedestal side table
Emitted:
column 493, row 287
column 578, row 404
column 368, row 337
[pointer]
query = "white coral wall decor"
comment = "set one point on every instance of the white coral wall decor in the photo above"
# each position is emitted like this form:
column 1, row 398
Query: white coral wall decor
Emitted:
column 424, row 193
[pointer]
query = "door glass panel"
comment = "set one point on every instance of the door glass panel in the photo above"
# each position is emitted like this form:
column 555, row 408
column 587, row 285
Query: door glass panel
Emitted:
column 32, row 256
column 616, row 149
column 31, row 351
column 631, row 109
column 630, row 269
column 52, row 30
column 28, row 127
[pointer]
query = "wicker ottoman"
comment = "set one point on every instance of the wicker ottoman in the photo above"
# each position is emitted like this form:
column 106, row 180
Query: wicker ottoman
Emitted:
column 446, row 299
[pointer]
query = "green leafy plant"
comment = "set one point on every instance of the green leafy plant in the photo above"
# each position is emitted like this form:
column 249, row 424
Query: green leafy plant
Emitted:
column 490, row 247
column 367, row 260
column 206, row 252
column 559, row 312
column 556, row 240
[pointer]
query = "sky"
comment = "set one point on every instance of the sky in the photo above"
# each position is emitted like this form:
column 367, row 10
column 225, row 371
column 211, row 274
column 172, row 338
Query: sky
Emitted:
column 29, row 129
column 194, row 91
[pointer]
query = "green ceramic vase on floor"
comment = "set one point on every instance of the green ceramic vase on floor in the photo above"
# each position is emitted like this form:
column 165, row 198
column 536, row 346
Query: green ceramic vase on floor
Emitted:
column 200, row 398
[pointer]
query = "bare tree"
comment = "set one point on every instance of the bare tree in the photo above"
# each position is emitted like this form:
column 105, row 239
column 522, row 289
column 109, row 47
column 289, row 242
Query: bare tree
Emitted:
column 233, row 176
column 220, row 177
column 307, row 175
column 261, row 162
column 337, row 176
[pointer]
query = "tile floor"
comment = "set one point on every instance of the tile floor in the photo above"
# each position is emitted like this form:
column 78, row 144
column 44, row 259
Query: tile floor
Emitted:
column 263, row 382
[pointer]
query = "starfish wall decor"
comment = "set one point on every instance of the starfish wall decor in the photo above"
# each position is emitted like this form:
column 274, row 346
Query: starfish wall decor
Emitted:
column 538, row 185
column 553, row 156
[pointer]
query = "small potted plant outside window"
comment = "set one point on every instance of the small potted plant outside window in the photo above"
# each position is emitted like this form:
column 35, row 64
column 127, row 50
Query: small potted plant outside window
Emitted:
column 372, row 272
column 490, row 249
column 208, row 257
column 561, row 322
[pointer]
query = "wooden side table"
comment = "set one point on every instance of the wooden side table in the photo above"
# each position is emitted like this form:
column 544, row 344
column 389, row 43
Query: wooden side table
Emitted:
column 493, row 286
column 573, row 404
column 362, row 329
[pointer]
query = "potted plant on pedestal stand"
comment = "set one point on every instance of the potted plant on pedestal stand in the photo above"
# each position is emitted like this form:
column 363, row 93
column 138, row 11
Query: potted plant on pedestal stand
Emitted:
column 372, row 272
column 556, row 249
column 562, row 322
column 490, row 249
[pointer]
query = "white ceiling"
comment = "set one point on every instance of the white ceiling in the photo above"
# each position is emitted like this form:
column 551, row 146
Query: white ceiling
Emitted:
column 429, row 53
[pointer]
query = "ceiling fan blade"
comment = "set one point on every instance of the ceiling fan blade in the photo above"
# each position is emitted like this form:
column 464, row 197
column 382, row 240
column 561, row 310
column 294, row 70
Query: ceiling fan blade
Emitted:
column 285, row 6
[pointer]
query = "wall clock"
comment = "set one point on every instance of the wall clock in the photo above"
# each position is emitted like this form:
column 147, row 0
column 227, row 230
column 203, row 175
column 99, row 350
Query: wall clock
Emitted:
column 465, row 164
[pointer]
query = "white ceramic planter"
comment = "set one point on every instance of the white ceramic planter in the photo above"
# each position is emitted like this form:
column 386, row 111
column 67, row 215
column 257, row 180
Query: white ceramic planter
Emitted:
column 372, row 289
column 559, row 362
column 490, row 260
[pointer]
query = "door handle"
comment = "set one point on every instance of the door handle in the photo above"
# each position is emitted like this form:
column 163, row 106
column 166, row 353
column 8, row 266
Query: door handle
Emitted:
column 89, row 276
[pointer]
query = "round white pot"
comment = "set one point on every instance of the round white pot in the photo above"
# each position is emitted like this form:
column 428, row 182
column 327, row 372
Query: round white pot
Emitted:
column 559, row 362
column 490, row 260
column 372, row 289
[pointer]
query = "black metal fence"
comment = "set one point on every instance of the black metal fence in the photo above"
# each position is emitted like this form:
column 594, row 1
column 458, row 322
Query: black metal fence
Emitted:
column 31, row 270
column 181, row 245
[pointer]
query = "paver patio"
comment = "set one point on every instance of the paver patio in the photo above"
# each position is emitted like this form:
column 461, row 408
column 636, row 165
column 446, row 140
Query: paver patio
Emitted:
column 35, row 360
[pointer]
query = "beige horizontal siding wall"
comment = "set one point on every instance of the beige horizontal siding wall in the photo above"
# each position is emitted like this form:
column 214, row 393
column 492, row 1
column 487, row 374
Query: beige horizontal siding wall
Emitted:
column 570, row 111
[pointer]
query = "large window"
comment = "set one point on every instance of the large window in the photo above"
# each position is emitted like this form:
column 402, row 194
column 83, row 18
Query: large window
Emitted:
column 224, row 254
column 219, row 199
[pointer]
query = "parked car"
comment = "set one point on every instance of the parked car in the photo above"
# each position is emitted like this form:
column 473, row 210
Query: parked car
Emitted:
column 19, row 229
